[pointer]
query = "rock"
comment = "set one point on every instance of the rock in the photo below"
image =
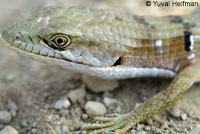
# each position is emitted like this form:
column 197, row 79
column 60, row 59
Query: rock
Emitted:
column 65, row 129
column 140, row 127
column 94, row 108
column 24, row 123
column 33, row 131
column 9, row 130
column 183, row 116
column 84, row 116
column 99, row 85
column 5, row 117
column 164, row 125
column 150, row 121
column 147, row 128
column 77, row 94
column 141, row 132
column 62, row 104
column 109, row 101
column 118, row 109
column 12, row 105
column 9, row 78
column 156, row 118
column 133, row 131
column 175, row 112
column 196, row 130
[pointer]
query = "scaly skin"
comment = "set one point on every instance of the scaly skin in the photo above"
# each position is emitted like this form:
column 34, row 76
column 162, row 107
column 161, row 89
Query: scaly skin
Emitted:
column 113, row 45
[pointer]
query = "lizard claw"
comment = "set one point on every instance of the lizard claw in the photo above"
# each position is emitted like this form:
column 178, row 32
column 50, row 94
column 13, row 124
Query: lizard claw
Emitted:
column 118, row 124
column 105, row 119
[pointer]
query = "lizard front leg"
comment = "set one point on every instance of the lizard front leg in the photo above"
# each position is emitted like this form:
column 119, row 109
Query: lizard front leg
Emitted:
column 122, row 123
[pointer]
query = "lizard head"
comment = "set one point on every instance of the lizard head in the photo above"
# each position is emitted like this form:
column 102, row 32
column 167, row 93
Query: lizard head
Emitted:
column 85, row 40
column 71, row 35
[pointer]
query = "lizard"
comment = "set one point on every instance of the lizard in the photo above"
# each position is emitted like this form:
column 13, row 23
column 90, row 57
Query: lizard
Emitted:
column 113, row 45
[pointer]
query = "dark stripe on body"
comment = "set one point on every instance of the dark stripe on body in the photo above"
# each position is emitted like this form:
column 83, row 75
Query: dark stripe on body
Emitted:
column 187, row 41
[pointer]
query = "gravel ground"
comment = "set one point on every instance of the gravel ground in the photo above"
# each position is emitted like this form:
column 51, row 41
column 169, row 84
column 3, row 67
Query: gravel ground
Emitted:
column 36, row 98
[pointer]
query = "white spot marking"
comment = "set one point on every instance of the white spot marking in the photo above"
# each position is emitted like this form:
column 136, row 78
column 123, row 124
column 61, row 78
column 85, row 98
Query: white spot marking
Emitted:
column 192, row 56
column 43, row 20
column 177, row 68
column 158, row 45
column 192, row 42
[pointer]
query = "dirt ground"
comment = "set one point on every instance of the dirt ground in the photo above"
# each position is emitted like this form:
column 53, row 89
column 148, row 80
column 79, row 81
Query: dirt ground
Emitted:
column 29, row 89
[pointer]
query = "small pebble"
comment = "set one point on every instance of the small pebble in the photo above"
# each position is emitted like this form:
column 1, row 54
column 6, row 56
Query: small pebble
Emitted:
column 9, row 78
column 49, row 118
column 13, row 113
column 118, row 109
column 196, row 130
column 33, row 131
column 140, row 127
column 9, row 130
column 24, row 123
column 12, row 105
column 164, row 125
column 150, row 121
column 84, row 116
column 147, row 128
column 183, row 116
column 99, row 85
column 65, row 128
column 175, row 112
column 5, row 117
column 141, row 132
column 133, row 131
column 93, row 108
column 156, row 118
column 64, row 112
column 157, row 131
column 172, row 124
column 77, row 94
column 109, row 101
column 62, row 104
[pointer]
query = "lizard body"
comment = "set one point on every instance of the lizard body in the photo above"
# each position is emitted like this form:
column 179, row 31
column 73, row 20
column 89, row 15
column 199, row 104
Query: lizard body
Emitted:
column 112, row 45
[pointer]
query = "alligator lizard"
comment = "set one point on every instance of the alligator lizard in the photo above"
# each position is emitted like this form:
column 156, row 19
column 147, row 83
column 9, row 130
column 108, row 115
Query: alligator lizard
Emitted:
column 113, row 45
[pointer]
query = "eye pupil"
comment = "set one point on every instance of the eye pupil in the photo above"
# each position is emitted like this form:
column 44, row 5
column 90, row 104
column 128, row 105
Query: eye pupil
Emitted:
column 60, row 41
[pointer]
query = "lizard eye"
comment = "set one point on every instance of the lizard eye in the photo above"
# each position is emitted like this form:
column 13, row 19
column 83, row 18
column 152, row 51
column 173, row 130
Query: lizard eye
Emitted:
column 60, row 41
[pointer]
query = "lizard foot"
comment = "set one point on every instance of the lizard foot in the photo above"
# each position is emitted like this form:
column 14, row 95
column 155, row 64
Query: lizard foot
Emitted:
column 118, row 124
